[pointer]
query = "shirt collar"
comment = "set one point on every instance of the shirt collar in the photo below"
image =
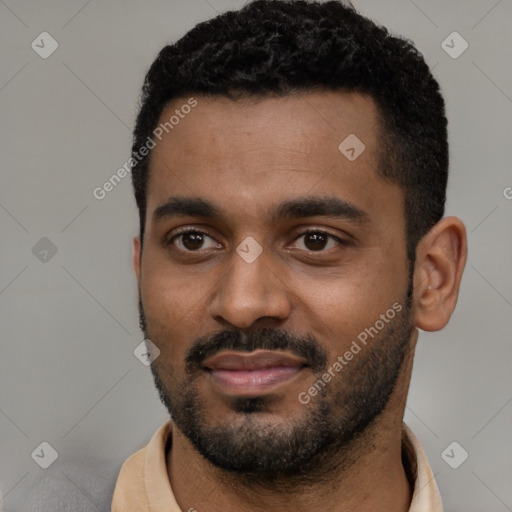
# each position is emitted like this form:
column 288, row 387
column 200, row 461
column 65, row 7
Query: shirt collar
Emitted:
column 425, row 496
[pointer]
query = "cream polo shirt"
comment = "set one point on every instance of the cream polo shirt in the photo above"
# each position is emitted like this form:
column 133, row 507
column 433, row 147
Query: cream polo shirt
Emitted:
column 143, row 484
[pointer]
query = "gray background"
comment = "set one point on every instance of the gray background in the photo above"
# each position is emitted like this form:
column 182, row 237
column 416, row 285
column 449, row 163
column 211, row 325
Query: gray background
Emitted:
column 69, row 322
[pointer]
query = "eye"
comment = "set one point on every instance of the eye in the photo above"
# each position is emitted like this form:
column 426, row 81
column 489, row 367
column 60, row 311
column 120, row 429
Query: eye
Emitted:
column 192, row 240
column 318, row 240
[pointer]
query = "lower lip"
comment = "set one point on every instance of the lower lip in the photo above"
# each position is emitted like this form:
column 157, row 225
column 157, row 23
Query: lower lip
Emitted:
column 253, row 382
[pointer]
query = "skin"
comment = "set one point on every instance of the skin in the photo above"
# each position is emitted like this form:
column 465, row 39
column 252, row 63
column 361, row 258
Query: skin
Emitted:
column 246, row 157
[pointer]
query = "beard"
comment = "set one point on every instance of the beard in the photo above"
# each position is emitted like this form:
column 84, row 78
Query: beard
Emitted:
column 303, row 448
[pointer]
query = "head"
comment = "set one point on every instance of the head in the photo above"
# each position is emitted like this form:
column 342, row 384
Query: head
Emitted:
column 306, row 149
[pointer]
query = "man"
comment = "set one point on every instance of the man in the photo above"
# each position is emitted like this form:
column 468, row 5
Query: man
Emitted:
column 290, row 167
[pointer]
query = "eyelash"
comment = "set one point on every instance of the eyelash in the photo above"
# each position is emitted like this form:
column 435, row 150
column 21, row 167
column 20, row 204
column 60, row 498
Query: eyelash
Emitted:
column 186, row 231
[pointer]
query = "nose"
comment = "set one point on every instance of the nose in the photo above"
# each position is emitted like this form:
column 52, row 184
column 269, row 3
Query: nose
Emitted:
column 248, row 292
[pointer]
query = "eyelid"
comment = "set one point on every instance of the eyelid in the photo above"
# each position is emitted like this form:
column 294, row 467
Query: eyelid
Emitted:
column 305, row 231
column 185, row 230
column 341, row 241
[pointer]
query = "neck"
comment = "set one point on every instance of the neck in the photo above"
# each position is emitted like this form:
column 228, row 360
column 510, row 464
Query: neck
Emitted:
column 369, row 476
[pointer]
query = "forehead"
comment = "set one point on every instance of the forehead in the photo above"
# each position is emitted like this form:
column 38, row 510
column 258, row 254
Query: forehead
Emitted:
column 300, row 124
column 247, row 155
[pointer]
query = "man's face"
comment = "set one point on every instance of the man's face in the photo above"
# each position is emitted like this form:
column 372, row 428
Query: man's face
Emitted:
column 244, row 336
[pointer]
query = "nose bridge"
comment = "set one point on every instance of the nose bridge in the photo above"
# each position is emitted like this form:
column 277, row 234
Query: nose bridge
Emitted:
column 249, row 290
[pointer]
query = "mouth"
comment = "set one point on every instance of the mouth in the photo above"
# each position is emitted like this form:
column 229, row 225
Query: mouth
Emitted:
column 252, row 374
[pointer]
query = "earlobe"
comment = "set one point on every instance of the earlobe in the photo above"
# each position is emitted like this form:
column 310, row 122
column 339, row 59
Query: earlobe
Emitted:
column 440, row 261
column 136, row 256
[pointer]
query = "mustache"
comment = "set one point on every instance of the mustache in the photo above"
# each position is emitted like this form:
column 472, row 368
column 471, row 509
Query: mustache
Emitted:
column 266, row 338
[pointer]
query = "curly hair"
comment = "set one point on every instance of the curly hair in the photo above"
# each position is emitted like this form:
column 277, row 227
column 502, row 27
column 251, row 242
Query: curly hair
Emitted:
column 278, row 47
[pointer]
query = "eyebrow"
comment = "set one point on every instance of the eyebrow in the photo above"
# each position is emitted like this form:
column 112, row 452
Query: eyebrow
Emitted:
column 300, row 207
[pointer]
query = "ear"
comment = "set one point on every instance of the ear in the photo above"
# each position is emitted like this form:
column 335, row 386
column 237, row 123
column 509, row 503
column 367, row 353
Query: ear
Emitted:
column 136, row 258
column 440, row 260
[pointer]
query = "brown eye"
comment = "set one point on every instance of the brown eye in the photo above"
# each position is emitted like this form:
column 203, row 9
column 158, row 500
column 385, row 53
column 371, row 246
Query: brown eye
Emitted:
column 317, row 240
column 192, row 240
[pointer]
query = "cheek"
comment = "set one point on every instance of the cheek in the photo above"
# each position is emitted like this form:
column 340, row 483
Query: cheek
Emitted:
column 175, row 305
column 166, row 305
column 166, row 291
column 354, row 299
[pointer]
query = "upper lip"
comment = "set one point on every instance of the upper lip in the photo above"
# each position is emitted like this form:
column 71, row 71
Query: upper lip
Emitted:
column 257, row 360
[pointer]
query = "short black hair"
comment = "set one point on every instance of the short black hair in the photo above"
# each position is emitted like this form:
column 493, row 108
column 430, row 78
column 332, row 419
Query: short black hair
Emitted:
column 278, row 47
